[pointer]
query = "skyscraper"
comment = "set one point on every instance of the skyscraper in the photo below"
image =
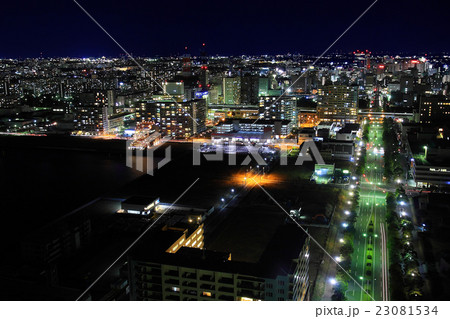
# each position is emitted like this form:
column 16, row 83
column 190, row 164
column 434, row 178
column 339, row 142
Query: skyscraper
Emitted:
column 338, row 103
column 249, row 89
column 182, row 119
column 434, row 110
column 275, row 108
column 189, row 273
column 232, row 90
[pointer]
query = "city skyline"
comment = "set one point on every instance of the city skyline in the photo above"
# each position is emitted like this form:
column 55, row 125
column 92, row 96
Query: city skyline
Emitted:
column 226, row 151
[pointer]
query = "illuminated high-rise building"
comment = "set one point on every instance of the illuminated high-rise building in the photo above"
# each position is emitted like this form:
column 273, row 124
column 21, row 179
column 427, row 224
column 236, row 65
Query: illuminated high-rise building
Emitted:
column 186, row 64
column 434, row 110
column 182, row 119
column 338, row 103
column 204, row 78
column 279, row 108
column 232, row 90
column 174, row 88
column 263, row 89
column 175, row 270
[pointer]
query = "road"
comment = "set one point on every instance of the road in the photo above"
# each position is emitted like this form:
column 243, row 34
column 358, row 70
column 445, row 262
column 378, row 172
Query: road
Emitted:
column 370, row 260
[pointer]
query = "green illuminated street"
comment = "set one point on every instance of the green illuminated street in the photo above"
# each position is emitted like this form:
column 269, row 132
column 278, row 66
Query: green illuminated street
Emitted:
column 369, row 259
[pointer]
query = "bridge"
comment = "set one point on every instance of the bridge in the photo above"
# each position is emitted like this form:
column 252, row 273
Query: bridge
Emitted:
column 381, row 115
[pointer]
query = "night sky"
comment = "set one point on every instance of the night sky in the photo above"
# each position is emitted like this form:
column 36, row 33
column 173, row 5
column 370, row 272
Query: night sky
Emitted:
column 150, row 28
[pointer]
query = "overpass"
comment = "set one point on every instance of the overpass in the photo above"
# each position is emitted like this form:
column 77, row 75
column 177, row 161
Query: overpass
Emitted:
column 381, row 115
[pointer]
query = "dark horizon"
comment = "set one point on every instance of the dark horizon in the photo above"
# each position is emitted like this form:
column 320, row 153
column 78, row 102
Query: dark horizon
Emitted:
column 61, row 29
column 198, row 56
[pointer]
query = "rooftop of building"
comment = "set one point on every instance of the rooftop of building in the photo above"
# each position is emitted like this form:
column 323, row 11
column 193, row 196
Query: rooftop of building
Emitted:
column 240, row 134
column 256, row 122
column 324, row 123
column 350, row 127
column 243, row 107
column 119, row 115
column 139, row 200
column 277, row 258
column 307, row 130
column 257, row 236
column 327, row 140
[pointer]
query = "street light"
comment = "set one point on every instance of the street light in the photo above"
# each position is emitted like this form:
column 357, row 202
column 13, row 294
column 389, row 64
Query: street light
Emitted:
column 426, row 151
